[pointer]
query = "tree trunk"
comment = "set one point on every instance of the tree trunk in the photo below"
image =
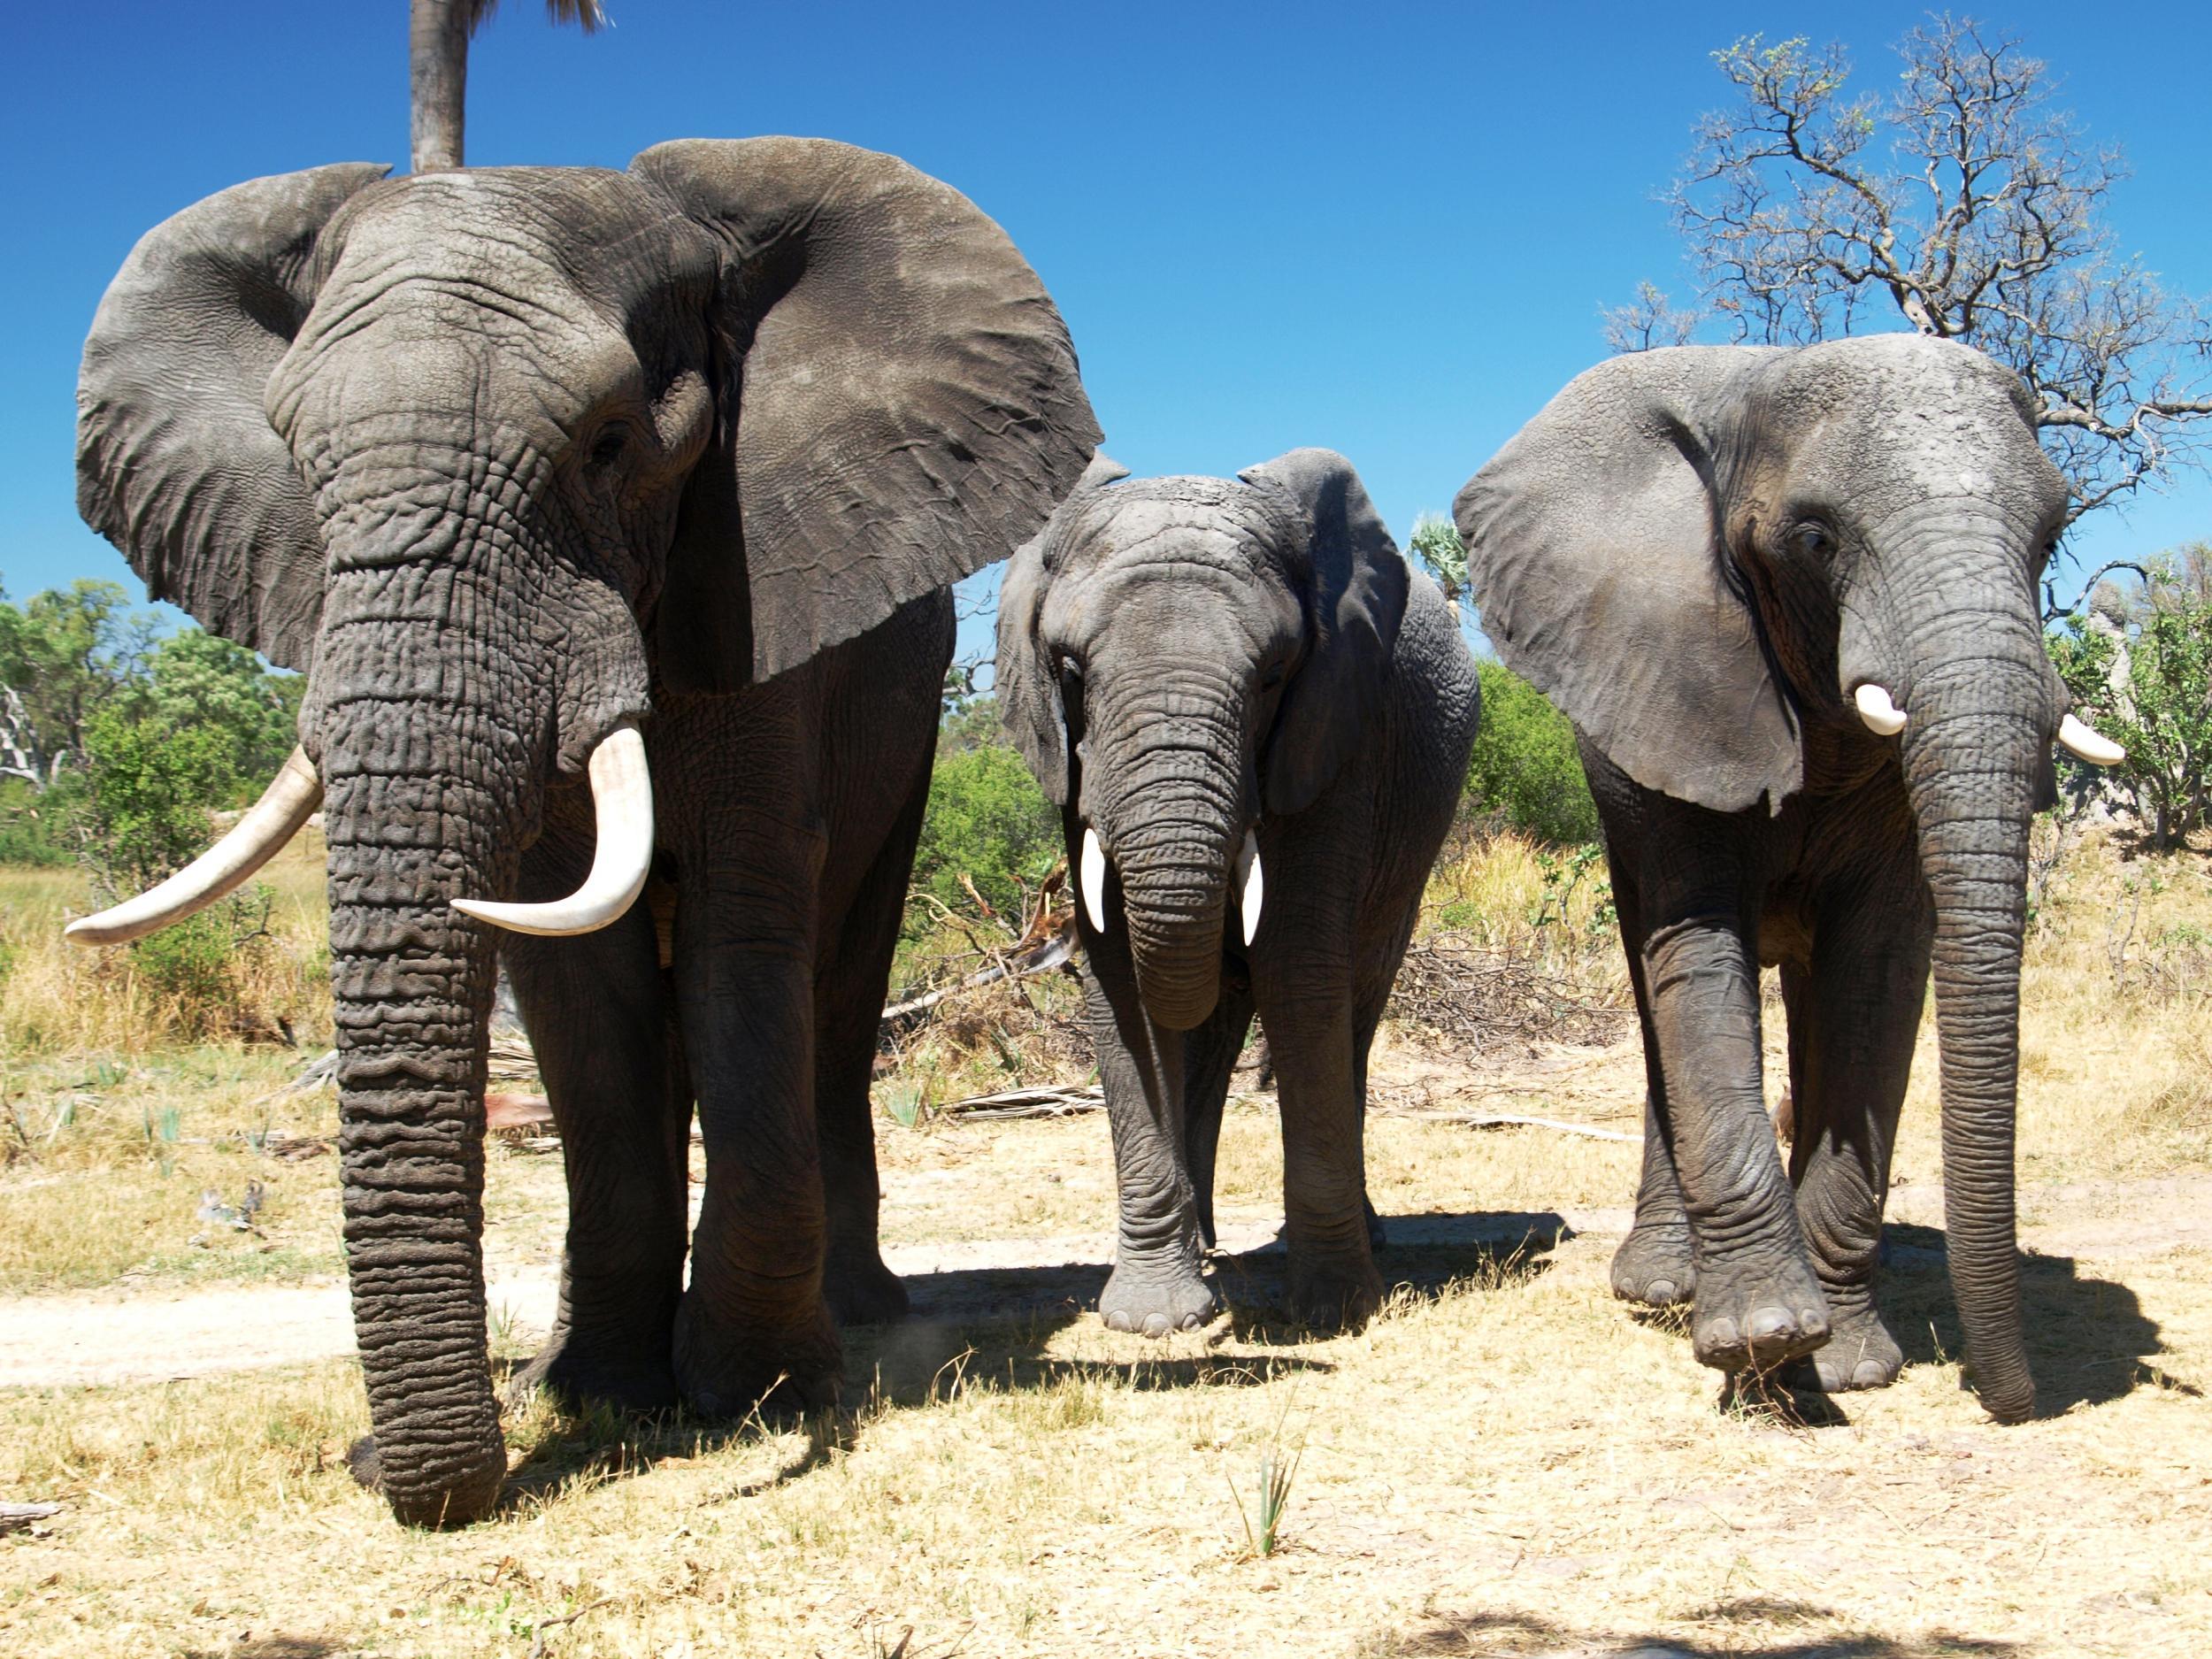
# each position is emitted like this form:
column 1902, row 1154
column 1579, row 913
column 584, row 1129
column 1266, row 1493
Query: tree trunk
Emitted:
column 438, row 63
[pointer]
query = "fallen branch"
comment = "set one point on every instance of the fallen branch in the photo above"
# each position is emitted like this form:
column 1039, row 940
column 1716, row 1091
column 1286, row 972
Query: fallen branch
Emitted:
column 537, row 1631
column 1513, row 1121
column 1043, row 1100
column 1051, row 952
column 14, row 1518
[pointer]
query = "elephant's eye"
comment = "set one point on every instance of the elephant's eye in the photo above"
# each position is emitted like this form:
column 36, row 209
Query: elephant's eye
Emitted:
column 1811, row 540
column 607, row 448
column 1273, row 676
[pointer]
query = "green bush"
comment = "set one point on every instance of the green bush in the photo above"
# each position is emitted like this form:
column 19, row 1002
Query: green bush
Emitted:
column 989, row 821
column 1524, row 764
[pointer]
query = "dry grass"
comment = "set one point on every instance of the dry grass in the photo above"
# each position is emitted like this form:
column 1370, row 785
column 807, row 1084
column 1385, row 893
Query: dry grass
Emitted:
column 1504, row 1463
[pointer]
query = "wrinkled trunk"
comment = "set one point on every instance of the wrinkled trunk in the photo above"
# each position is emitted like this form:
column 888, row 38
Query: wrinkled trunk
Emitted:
column 1173, row 810
column 1977, row 729
column 412, row 982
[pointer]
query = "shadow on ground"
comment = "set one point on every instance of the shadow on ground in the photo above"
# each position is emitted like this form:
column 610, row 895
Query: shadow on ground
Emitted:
column 1744, row 1624
column 2089, row 1340
column 990, row 1327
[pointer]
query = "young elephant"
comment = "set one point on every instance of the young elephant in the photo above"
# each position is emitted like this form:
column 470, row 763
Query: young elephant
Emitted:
column 1236, row 686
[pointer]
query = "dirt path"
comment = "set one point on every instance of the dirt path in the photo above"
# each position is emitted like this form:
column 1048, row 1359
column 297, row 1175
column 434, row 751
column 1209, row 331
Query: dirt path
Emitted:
column 107, row 1338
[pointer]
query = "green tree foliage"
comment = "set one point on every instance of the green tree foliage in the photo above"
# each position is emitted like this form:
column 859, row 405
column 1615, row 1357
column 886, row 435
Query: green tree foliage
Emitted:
column 2139, row 667
column 1525, row 765
column 1435, row 542
column 987, row 820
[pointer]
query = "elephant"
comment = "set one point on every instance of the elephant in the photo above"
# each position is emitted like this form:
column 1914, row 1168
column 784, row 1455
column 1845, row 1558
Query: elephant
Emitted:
column 1787, row 598
column 1236, row 686
column 610, row 516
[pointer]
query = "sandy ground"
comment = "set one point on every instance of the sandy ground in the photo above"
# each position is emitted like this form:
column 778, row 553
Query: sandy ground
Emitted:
column 107, row 1338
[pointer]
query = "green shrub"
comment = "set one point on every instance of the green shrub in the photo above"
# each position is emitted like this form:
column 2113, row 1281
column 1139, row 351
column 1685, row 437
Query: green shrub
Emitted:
column 989, row 821
column 1525, row 765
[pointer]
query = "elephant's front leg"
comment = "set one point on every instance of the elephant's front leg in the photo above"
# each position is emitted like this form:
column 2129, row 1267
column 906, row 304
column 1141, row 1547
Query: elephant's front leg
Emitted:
column 1852, row 1022
column 1655, row 1264
column 596, row 1010
column 1757, row 1301
column 1158, row 1284
column 1305, row 1007
column 753, row 1322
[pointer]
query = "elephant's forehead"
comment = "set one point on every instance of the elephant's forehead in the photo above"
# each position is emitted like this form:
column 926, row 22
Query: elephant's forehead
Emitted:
column 1185, row 513
column 584, row 224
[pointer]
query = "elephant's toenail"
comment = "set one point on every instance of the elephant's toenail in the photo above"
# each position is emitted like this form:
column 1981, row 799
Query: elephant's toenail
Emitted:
column 1872, row 1373
column 1156, row 1324
column 1721, row 1333
column 1769, row 1322
column 1659, row 1292
column 1117, row 1320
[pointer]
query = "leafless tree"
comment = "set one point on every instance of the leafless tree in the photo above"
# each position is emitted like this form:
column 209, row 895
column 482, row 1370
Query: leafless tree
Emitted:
column 438, row 65
column 1650, row 319
column 1968, row 205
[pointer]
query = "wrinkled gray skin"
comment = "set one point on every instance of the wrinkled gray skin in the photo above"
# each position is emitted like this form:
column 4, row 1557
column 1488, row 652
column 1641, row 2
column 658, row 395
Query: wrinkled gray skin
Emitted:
column 501, row 459
column 1701, row 555
column 1182, row 659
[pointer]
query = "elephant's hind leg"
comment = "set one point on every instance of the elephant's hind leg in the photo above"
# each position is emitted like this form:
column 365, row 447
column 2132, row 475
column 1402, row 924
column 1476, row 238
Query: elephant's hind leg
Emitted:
column 597, row 1017
column 1852, row 1022
column 1656, row 1265
column 848, row 994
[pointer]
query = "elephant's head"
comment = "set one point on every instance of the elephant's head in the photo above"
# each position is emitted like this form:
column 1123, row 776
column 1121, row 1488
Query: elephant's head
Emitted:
column 490, row 455
column 1180, row 658
column 1738, row 569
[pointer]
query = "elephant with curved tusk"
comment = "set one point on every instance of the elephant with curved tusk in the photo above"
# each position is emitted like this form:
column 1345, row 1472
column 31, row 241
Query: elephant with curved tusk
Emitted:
column 610, row 515
column 1787, row 596
column 1255, row 722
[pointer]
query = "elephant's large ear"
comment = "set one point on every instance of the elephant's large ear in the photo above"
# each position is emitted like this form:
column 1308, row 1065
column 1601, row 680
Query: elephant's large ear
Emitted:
column 177, row 463
column 1358, row 599
column 906, row 406
column 1023, row 682
column 1595, row 551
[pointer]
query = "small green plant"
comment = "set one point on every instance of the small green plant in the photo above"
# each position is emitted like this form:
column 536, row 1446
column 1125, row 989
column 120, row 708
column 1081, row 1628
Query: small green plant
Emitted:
column 906, row 1102
column 1279, row 1468
column 1563, row 878
column 163, row 1129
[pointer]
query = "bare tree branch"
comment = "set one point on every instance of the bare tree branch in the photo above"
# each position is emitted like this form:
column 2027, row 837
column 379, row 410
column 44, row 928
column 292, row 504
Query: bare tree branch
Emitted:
column 1968, row 207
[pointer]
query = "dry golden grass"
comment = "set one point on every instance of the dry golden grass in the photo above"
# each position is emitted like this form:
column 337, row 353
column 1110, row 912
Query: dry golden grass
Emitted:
column 1504, row 1463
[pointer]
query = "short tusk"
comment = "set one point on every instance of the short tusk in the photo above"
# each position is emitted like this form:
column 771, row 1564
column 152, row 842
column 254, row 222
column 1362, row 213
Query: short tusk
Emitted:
column 622, row 797
column 2090, row 744
column 1251, row 886
column 1094, row 882
column 1883, row 717
column 257, row 837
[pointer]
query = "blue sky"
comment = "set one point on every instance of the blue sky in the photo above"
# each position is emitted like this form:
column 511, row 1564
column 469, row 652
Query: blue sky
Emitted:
column 1386, row 228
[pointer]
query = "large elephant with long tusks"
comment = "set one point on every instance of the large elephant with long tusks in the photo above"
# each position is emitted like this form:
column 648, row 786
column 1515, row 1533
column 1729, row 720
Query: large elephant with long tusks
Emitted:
column 608, row 514
column 1255, row 722
column 1788, row 599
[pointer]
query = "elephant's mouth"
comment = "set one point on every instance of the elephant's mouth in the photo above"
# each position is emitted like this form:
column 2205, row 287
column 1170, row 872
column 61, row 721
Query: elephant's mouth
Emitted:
column 622, row 797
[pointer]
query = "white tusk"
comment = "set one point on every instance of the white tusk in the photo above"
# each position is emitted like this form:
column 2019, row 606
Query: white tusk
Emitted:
column 622, row 797
column 259, row 836
column 2090, row 744
column 1094, row 882
column 1883, row 717
column 1251, row 886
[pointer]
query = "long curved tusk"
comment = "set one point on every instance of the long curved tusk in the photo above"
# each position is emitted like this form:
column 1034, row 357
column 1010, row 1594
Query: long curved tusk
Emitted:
column 1883, row 717
column 259, row 835
column 622, row 797
column 2089, row 743
column 1251, row 886
column 1094, row 882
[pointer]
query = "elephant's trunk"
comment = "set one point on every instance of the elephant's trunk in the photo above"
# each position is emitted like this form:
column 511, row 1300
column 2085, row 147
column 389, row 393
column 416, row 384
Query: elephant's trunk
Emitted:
column 1174, row 810
column 411, row 983
column 1979, row 722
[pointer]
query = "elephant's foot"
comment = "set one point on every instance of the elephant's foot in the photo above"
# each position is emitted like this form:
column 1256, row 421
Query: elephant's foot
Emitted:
column 460, row 1501
column 726, row 1368
column 1340, row 1292
column 1654, row 1265
column 1158, row 1301
column 630, row 1376
column 1861, row 1354
column 861, row 1290
column 1756, row 1313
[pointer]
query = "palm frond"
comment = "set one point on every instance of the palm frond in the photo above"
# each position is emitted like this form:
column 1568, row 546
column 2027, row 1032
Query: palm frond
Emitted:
column 587, row 15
